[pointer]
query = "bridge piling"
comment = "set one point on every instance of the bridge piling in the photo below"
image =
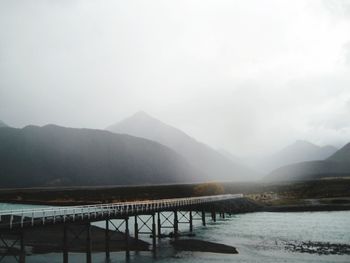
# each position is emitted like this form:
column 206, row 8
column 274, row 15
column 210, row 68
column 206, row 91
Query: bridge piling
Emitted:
column 127, row 247
column 203, row 218
column 65, row 245
column 22, row 257
column 154, row 234
column 88, row 243
column 213, row 216
column 176, row 224
column 136, row 228
column 107, row 239
column 159, row 225
column 191, row 221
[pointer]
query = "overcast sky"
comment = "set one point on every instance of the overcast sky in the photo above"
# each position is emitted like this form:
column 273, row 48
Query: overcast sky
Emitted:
column 248, row 76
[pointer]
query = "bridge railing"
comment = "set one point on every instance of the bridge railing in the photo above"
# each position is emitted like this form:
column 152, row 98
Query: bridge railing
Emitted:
column 76, row 213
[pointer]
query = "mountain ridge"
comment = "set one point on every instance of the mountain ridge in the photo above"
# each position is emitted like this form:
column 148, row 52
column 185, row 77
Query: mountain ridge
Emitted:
column 336, row 165
column 299, row 151
column 57, row 156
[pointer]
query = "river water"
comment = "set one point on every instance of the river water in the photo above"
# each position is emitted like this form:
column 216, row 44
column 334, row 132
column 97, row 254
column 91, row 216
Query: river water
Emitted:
column 258, row 237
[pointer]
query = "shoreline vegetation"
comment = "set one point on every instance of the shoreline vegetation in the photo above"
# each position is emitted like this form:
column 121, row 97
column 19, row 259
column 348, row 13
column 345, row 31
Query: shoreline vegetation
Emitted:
column 302, row 196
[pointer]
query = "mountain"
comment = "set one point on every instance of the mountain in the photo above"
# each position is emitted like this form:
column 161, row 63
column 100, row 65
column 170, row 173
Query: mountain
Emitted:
column 337, row 165
column 300, row 151
column 57, row 156
column 3, row 124
column 212, row 164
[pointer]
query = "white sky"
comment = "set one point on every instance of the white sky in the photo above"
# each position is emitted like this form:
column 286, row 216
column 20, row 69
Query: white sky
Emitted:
column 248, row 76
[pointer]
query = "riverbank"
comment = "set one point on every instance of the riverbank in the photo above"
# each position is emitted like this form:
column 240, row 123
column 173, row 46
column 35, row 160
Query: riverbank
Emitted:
column 305, row 208
column 319, row 195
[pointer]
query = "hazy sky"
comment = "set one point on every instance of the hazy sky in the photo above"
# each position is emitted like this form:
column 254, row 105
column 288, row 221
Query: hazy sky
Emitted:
column 249, row 76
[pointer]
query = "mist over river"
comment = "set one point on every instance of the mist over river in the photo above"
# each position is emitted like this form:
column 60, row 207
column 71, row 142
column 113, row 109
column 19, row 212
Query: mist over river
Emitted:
column 258, row 237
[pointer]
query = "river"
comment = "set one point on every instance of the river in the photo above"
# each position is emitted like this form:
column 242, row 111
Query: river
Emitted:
column 258, row 237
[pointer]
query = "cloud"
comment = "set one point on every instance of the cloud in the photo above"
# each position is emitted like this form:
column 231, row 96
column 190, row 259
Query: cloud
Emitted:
column 244, row 75
column 338, row 8
column 346, row 53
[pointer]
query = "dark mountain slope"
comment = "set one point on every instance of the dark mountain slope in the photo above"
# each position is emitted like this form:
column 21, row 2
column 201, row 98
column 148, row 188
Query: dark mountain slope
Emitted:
column 52, row 155
column 212, row 164
column 343, row 155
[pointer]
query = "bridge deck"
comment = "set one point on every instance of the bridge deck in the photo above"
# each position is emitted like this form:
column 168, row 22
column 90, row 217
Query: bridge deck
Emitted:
column 12, row 219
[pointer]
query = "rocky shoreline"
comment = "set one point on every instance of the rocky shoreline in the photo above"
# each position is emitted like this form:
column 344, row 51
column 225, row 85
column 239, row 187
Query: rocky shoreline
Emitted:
column 320, row 248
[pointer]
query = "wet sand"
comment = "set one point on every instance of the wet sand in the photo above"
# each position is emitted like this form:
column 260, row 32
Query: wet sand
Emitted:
column 202, row 246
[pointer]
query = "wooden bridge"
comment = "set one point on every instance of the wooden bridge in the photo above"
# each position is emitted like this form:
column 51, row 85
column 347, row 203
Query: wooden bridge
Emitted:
column 152, row 216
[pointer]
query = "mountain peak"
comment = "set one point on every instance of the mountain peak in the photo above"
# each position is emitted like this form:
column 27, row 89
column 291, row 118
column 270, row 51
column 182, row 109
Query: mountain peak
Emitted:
column 211, row 163
column 305, row 148
column 336, row 164
column 142, row 115
column 303, row 143
column 137, row 122
column 297, row 147
column 299, row 151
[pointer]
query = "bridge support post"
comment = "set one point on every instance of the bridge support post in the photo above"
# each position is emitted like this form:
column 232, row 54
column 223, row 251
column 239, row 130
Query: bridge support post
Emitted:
column 88, row 243
column 107, row 239
column 176, row 224
column 127, row 248
column 136, row 229
column 22, row 257
column 154, row 234
column 65, row 244
column 223, row 215
column 203, row 218
column 213, row 216
column 191, row 221
column 159, row 225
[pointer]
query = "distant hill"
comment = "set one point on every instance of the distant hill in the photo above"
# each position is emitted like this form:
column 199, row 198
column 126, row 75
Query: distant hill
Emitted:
column 300, row 151
column 337, row 165
column 57, row 156
column 3, row 124
column 212, row 164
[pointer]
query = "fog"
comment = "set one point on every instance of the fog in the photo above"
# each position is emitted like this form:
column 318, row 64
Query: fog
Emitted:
column 247, row 76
